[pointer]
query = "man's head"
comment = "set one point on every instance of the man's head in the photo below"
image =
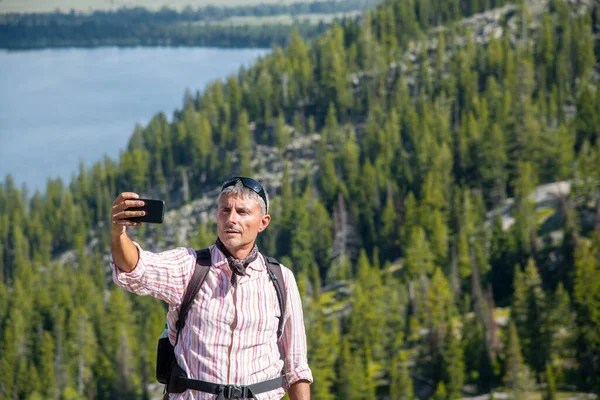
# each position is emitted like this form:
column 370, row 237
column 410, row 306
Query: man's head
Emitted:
column 242, row 212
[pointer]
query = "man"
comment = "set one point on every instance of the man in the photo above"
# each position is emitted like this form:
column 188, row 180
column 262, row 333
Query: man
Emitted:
column 230, row 333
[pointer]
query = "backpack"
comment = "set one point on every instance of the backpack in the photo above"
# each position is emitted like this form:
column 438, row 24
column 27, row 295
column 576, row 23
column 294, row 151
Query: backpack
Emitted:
column 165, row 356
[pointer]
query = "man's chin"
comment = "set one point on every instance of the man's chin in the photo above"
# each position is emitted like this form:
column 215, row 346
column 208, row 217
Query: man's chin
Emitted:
column 230, row 242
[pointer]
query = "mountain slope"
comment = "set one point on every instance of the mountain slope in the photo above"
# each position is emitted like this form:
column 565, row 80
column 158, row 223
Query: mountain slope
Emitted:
column 403, row 140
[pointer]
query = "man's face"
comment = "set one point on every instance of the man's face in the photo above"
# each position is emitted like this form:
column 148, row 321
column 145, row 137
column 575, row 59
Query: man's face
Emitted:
column 239, row 220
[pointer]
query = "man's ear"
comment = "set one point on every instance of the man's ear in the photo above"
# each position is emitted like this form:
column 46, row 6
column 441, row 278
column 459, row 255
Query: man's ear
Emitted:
column 264, row 222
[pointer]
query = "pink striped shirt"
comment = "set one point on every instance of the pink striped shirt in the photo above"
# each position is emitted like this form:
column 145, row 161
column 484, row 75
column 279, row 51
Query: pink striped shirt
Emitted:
column 230, row 335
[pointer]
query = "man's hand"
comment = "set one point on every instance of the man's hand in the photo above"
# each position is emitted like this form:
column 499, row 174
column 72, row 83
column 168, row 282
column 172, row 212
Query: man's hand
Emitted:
column 124, row 252
column 119, row 213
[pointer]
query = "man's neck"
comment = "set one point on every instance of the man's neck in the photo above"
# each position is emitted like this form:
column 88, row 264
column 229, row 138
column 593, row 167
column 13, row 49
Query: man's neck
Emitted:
column 241, row 252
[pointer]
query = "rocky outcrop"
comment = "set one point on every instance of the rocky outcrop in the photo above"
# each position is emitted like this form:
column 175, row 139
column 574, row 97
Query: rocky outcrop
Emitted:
column 181, row 223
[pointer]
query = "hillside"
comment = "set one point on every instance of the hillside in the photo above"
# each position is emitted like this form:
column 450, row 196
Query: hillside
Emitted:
column 253, row 25
column 410, row 157
column 42, row 6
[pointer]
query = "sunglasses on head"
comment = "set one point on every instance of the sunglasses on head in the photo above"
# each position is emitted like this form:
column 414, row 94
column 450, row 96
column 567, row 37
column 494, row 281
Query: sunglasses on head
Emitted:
column 250, row 184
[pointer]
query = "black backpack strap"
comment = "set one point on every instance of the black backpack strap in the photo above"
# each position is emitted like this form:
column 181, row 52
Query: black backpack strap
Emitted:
column 203, row 263
column 276, row 275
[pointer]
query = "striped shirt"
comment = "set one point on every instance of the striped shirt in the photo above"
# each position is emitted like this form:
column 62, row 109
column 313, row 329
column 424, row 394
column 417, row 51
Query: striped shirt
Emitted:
column 230, row 335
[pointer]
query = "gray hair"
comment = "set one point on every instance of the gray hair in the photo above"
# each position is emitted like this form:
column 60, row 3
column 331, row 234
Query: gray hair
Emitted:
column 242, row 191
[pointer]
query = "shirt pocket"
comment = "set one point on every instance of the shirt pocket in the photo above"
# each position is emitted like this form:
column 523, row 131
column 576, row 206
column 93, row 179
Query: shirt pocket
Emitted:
column 268, row 317
column 213, row 310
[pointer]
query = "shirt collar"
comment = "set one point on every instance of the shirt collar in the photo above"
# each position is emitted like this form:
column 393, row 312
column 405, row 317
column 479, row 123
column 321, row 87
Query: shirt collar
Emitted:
column 220, row 261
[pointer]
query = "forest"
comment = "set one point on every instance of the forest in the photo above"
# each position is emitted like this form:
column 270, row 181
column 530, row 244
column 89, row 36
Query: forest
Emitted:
column 204, row 26
column 426, row 267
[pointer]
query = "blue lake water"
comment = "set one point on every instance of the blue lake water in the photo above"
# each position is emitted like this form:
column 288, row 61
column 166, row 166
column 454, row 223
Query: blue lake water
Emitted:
column 60, row 106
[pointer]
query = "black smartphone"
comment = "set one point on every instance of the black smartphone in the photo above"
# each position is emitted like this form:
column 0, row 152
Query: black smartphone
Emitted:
column 155, row 211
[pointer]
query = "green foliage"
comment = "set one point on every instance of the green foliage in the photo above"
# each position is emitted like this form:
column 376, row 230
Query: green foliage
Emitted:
column 550, row 384
column 401, row 223
column 587, row 304
column 530, row 313
column 517, row 376
column 454, row 365
column 401, row 385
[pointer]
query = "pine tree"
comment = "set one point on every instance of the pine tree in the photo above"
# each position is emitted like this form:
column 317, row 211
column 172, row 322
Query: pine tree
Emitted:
column 281, row 133
column 302, row 238
column 321, row 358
column 550, row 384
column 302, row 69
column 419, row 258
column 328, row 181
column 46, row 368
column 586, row 118
column 560, row 319
column 525, row 227
column 244, row 145
column 586, row 295
column 401, row 385
column 350, row 374
column 81, row 348
column 454, row 364
column 234, row 99
column 517, row 376
column 8, row 362
column 390, row 232
column 320, row 221
column 529, row 312
column 440, row 392
column 332, row 63
column 493, row 165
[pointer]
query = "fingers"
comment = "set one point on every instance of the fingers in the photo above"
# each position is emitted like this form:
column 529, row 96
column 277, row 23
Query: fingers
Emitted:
column 125, row 204
column 125, row 196
column 120, row 208
column 124, row 222
column 120, row 218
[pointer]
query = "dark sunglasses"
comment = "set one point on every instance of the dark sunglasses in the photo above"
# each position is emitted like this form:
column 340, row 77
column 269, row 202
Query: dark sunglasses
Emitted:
column 250, row 184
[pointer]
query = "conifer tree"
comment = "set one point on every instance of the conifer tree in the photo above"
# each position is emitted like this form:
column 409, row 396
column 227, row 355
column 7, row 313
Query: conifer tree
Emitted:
column 281, row 133
column 301, row 239
column 440, row 391
column 321, row 243
column 244, row 145
column 328, row 181
column 517, row 376
column 401, row 385
column 419, row 258
column 550, row 384
column 454, row 365
column 8, row 362
column 350, row 374
column 81, row 349
column 46, row 368
column 525, row 227
column 529, row 312
column 586, row 295
column 390, row 229
column 321, row 358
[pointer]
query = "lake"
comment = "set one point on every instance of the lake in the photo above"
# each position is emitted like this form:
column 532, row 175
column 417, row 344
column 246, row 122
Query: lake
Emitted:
column 60, row 106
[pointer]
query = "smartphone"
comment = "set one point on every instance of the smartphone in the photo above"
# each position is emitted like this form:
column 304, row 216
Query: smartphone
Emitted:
column 155, row 211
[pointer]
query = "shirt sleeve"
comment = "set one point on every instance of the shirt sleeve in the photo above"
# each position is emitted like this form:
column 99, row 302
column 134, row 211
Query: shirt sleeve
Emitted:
column 293, row 339
column 162, row 275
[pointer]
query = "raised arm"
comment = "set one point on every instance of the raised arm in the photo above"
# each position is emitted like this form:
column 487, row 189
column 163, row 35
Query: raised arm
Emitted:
column 124, row 252
column 163, row 275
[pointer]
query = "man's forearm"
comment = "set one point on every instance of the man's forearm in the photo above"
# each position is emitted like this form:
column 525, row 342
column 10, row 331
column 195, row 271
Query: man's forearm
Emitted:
column 300, row 391
column 124, row 252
